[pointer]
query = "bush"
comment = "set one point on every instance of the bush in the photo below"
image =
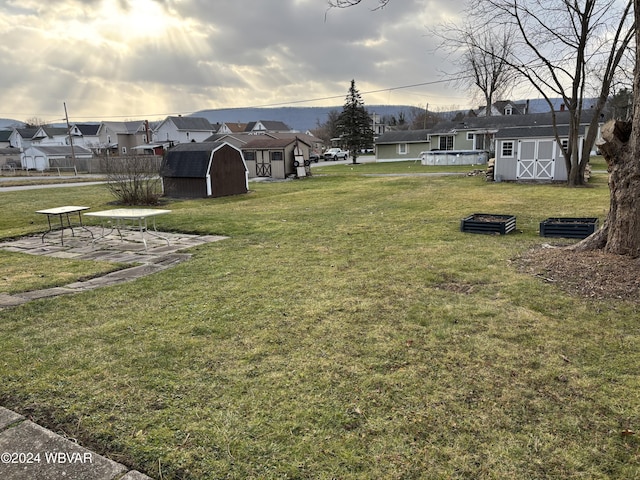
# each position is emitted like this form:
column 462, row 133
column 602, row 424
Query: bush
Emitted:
column 133, row 180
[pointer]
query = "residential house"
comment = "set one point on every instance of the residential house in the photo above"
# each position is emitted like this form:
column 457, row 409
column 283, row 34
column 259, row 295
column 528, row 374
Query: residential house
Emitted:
column 120, row 138
column 402, row 145
column 20, row 138
column 183, row 130
column 274, row 157
column 86, row 135
column 504, row 107
column 264, row 126
column 46, row 135
column 469, row 141
column 232, row 127
column 4, row 138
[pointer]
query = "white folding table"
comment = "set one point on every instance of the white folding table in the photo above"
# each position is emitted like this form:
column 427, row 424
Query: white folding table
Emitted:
column 63, row 213
column 120, row 216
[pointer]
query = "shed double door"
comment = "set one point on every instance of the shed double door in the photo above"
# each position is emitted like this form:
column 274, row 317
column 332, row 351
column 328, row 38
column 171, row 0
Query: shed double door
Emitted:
column 263, row 164
column 536, row 159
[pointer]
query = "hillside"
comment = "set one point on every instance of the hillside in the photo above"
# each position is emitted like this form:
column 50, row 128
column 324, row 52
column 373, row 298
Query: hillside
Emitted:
column 298, row 118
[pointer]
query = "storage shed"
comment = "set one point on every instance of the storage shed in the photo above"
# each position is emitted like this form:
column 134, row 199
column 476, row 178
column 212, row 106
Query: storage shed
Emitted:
column 532, row 154
column 201, row 170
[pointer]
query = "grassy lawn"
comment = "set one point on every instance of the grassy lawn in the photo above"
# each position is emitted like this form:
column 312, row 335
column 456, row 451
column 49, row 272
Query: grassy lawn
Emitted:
column 347, row 329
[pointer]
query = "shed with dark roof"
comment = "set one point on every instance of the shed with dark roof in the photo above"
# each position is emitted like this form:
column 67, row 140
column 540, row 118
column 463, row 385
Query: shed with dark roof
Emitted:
column 201, row 170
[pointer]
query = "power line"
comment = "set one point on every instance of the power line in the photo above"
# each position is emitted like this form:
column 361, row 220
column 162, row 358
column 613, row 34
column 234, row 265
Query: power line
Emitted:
column 278, row 104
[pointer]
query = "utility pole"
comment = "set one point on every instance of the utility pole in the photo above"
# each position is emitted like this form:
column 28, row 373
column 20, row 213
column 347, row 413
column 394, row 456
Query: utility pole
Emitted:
column 426, row 114
column 73, row 153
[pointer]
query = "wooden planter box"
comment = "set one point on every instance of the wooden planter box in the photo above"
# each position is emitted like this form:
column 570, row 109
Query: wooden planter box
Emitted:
column 568, row 227
column 488, row 223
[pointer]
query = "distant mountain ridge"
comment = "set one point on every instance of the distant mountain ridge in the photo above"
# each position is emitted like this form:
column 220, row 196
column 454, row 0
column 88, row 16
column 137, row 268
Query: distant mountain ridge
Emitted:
column 297, row 118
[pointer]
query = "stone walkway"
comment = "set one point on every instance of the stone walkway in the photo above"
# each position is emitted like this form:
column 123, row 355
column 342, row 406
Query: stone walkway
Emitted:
column 30, row 452
column 157, row 256
column 27, row 450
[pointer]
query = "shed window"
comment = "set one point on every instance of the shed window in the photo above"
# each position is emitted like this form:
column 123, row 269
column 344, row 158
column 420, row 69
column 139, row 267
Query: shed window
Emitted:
column 402, row 149
column 470, row 136
column 250, row 156
column 564, row 143
column 275, row 156
column 507, row 148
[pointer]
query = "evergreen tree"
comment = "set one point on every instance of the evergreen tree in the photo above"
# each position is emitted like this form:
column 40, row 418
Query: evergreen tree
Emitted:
column 354, row 124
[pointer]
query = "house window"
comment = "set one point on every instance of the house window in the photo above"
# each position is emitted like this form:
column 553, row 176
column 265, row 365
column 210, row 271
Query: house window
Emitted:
column 508, row 110
column 470, row 136
column 402, row 149
column 250, row 156
column 446, row 142
column 507, row 149
column 276, row 156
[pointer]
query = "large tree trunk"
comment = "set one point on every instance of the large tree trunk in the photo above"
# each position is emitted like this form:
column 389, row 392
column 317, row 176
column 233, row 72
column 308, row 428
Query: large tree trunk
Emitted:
column 620, row 233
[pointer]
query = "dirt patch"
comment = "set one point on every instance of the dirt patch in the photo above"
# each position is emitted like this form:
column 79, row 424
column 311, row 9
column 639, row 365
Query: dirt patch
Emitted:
column 589, row 274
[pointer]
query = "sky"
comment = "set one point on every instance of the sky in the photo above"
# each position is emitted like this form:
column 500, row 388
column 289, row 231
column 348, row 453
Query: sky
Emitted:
column 134, row 59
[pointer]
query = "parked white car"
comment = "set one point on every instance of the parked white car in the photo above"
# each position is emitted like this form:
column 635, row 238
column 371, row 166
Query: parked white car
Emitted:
column 334, row 154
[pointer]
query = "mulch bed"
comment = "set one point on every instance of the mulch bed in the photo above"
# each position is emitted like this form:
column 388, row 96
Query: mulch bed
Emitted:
column 593, row 274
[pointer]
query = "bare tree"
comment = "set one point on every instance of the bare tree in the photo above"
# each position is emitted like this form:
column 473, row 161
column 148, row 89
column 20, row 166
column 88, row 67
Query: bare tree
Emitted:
column 351, row 3
column 560, row 44
column 483, row 57
column 620, row 232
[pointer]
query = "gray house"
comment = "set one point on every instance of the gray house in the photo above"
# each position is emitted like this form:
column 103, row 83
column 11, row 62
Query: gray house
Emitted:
column 394, row 146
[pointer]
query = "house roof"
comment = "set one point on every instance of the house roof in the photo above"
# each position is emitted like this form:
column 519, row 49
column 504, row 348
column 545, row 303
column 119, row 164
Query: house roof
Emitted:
column 192, row 123
column 403, row 136
column 61, row 150
column 88, row 128
column 263, row 142
column 50, row 131
column 129, row 128
column 190, row 160
column 270, row 125
column 4, row 135
column 235, row 127
column 27, row 132
column 506, row 121
column 533, row 131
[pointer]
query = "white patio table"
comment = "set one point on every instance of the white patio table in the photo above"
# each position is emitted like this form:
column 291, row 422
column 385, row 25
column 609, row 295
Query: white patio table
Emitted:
column 63, row 213
column 137, row 216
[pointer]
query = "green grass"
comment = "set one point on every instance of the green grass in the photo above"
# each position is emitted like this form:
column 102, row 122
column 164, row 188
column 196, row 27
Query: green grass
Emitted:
column 347, row 329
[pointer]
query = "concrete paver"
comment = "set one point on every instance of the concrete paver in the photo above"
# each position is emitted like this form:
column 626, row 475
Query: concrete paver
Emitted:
column 30, row 452
column 129, row 250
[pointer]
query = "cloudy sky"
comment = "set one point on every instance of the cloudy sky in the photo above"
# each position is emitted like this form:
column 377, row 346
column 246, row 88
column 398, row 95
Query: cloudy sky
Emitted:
column 131, row 59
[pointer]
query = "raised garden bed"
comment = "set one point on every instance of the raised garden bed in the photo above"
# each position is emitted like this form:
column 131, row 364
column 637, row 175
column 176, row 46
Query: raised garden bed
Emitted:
column 488, row 223
column 568, row 227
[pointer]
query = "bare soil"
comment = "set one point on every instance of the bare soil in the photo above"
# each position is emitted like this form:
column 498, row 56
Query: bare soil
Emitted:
column 588, row 274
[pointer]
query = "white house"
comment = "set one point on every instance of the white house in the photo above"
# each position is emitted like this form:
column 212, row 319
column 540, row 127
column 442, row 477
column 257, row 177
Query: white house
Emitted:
column 183, row 130
column 46, row 135
column 86, row 135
